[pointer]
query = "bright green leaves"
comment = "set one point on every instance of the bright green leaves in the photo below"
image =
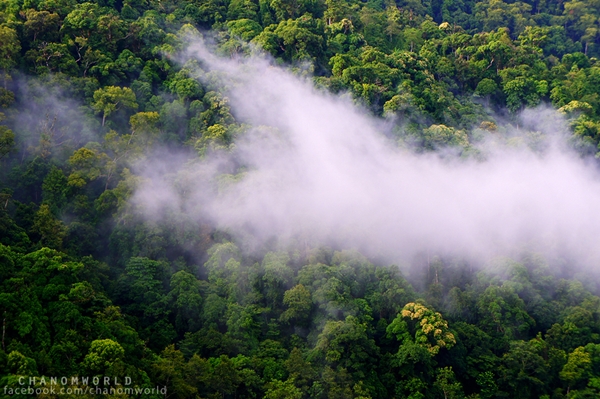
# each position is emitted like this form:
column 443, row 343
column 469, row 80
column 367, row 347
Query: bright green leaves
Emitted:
column 299, row 304
column 51, row 57
column 213, row 125
column 578, row 85
column 46, row 263
column 346, row 343
column 217, row 109
column 242, row 9
column 446, row 383
column 578, row 367
column 580, row 20
column 245, row 29
column 336, row 10
column 185, row 86
column 398, row 329
column 293, row 40
column 87, row 165
column 82, row 21
column 41, row 25
column 342, row 37
column 495, row 14
column 112, row 29
column 486, row 87
column 103, row 355
column 522, row 90
column 216, row 137
column 20, row 364
column 144, row 130
column 437, row 136
column 421, row 333
column 574, row 331
column 282, row 390
column 372, row 77
column 576, row 107
column 486, row 381
column 9, row 49
column 503, row 313
column 111, row 99
column 39, row 312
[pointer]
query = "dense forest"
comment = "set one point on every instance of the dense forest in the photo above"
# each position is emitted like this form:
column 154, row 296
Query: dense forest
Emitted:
column 89, row 287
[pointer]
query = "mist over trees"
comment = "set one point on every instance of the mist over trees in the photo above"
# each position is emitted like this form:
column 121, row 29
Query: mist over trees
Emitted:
column 217, row 212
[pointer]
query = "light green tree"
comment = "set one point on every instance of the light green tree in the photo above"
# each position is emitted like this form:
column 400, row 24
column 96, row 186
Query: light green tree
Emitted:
column 577, row 369
column 113, row 98
column 103, row 354
column 7, row 139
column 9, row 50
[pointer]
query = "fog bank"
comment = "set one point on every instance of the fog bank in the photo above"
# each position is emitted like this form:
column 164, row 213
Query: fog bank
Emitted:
column 317, row 170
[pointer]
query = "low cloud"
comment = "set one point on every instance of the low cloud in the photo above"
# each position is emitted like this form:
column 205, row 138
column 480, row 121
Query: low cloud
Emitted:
column 47, row 120
column 317, row 170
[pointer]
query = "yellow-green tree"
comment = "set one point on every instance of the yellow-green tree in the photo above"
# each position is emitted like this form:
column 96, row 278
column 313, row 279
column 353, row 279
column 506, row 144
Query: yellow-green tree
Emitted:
column 113, row 98
column 431, row 331
column 9, row 50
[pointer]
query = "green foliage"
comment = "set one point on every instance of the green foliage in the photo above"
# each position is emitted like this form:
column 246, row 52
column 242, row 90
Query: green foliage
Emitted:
column 437, row 136
column 111, row 99
column 299, row 304
column 55, row 190
column 577, row 368
column 178, row 305
column 447, row 384
column 7, row 139
column 186, row 299
column 282, row 390
column 9, row 49
column 293, row 40
column 103, row 355
column 432, row 331
column 48, row 229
